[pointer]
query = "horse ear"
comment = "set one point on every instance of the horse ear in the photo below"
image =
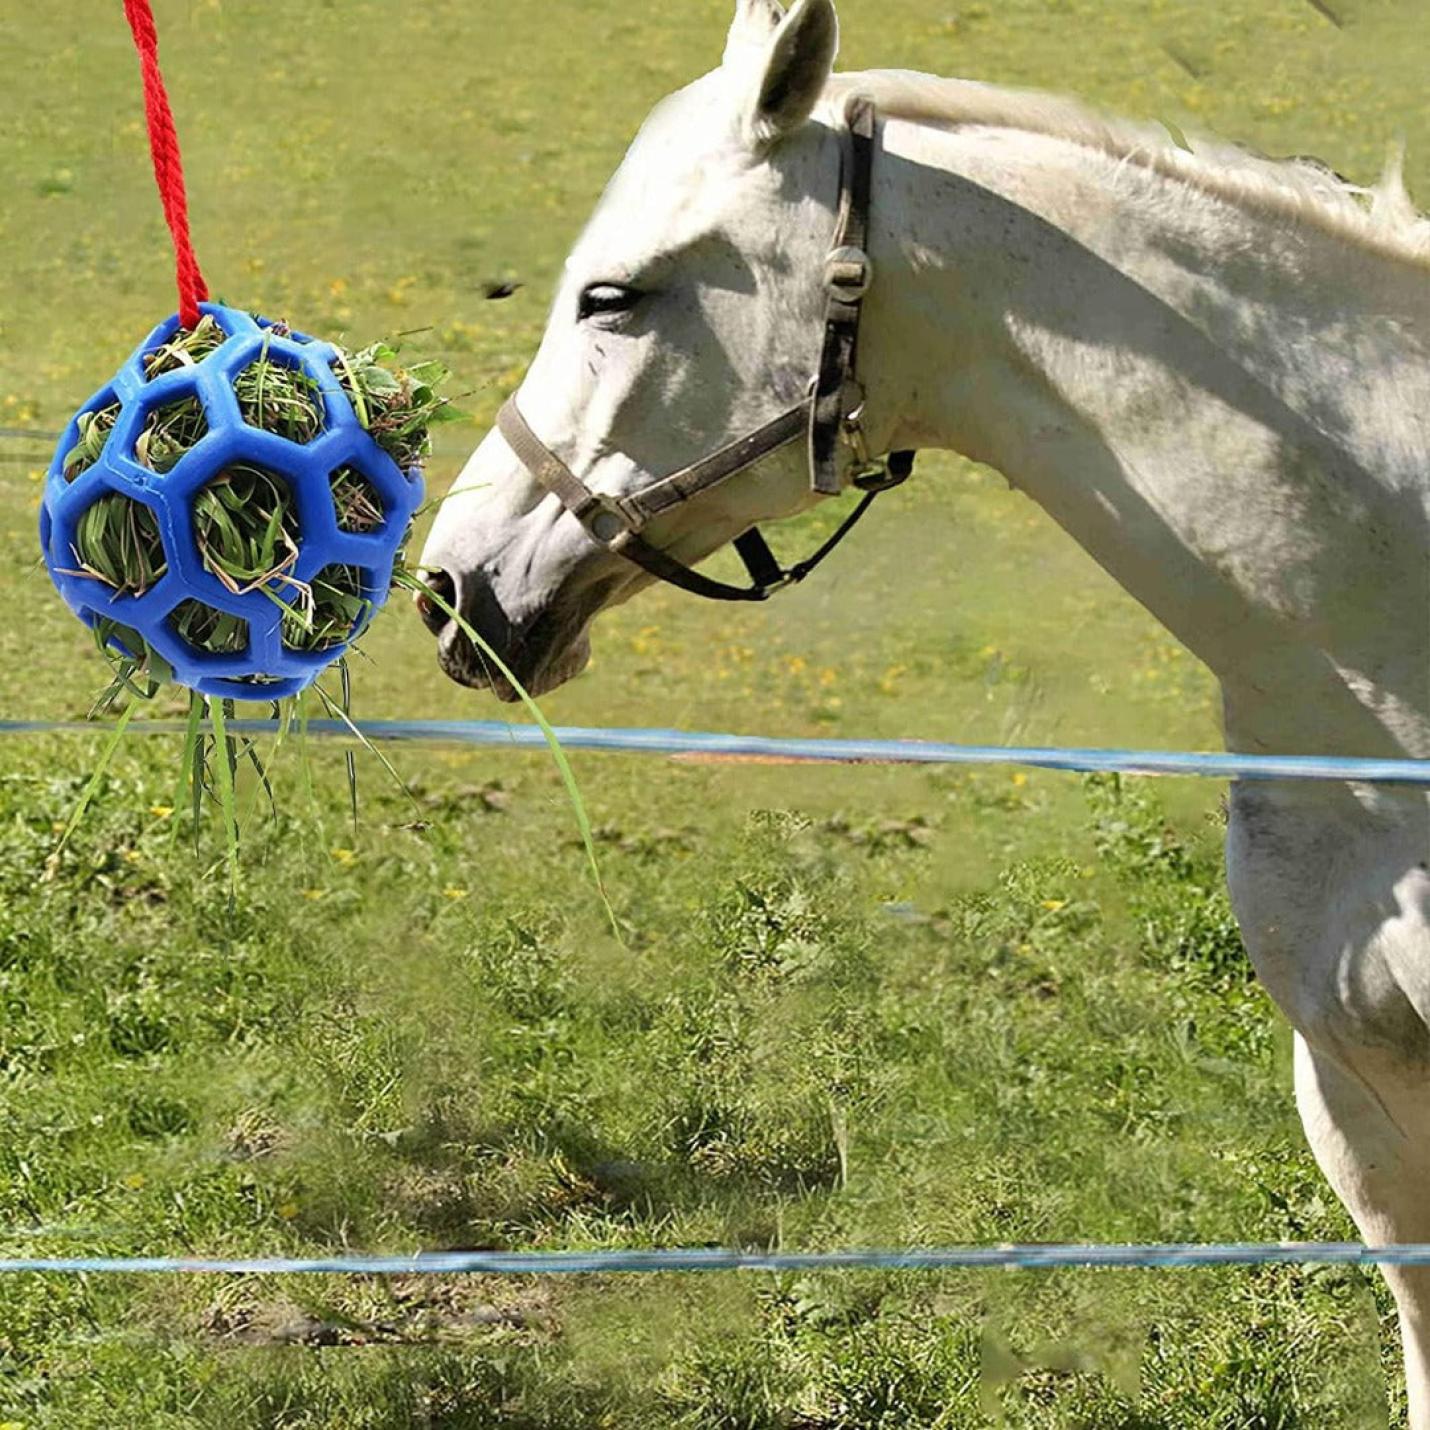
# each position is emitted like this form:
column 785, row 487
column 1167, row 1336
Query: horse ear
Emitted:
column 793, row 70
column 755, row 21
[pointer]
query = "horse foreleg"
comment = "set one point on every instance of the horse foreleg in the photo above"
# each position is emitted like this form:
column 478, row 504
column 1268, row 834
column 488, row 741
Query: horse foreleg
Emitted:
column 1332, row 891
column 1380, row 1168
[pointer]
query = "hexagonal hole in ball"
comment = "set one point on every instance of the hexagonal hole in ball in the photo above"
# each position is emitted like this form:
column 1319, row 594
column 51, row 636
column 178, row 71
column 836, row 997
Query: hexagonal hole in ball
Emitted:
column 169, row 432
column 246, row 527
column 276, row 396
column 206, row 629
column 333, row 610
column 91, row 439
column 185, row 348
column 118, row 542
column 356, row 500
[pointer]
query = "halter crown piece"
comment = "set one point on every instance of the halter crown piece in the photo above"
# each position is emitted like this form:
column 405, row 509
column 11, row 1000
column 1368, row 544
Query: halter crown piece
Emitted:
column 832, row 414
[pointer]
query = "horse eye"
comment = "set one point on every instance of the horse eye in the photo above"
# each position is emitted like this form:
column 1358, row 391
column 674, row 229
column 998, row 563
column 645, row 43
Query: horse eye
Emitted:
column 605, row 299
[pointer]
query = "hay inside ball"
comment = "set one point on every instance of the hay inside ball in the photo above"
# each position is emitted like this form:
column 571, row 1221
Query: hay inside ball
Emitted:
column 227, row 511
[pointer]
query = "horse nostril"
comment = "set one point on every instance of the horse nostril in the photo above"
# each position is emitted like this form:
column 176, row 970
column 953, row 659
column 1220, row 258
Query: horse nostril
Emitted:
column 445, row 589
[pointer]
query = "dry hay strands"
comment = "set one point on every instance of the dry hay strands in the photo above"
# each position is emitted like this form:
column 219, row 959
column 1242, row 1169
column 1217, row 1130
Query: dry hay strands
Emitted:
column 356, row 501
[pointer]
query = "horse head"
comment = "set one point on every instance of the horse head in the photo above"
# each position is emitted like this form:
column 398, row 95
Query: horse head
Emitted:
column 689, row 314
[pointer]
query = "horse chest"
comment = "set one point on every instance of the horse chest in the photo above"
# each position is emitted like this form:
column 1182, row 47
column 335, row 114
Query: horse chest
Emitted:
column 1332, row 891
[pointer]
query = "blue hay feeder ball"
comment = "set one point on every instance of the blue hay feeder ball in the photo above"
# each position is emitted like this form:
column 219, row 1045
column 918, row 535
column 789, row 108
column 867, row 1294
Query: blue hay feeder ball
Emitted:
column 267, row 668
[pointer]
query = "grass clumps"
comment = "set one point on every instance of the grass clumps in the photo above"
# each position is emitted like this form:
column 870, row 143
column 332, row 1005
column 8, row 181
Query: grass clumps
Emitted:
column 246, row 526
column 276, row 397
column 333, row 610
column 398, row 406
column 94, row 430
column 208, row 629
column 118, row 542
column 170, row 432
column 186, row 348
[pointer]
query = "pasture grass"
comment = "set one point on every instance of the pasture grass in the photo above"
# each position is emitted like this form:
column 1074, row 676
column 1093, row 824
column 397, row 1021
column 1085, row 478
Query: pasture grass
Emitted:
column 864, row 1006
column 778, row 1056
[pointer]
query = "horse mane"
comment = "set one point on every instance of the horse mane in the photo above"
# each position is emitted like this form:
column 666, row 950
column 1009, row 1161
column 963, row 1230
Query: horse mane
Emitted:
column 1382, row 217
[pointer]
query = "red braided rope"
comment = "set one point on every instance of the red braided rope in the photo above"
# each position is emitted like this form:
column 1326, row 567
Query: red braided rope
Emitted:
column 168, row 165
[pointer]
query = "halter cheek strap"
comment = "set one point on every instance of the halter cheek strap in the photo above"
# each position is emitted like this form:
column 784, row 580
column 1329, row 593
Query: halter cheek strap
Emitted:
column 831, row 414
column 615, row 522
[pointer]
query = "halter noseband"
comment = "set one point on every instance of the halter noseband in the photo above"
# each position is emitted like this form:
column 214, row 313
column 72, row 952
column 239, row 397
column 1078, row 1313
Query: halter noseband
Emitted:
column 831, row 414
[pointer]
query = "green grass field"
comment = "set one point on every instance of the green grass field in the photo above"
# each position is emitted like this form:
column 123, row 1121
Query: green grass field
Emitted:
column 853, row 1007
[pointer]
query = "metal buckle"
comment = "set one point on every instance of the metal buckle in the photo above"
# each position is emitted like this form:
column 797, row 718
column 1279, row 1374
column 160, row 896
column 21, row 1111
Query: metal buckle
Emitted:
column 886, row 474
column 877, row 477
column 787, row 579
column 604, row 521
column 848, row 274
column 851, row 428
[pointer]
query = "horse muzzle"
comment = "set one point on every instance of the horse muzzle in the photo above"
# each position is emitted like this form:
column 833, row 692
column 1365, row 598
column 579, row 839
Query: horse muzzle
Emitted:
column 537, row 657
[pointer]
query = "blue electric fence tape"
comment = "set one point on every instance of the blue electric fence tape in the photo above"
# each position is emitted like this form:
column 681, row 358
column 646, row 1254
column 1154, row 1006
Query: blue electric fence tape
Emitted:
column 703, row 745
column 1157, row 1256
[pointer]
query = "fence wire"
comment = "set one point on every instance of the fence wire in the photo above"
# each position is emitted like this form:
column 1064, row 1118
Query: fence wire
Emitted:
column 697, row 746
column 1160, row 1256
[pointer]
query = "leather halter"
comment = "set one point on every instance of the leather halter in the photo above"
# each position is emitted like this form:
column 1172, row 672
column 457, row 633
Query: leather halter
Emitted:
column 831, row 414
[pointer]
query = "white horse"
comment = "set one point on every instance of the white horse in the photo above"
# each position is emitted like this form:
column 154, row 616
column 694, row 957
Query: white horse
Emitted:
column 1209, row 368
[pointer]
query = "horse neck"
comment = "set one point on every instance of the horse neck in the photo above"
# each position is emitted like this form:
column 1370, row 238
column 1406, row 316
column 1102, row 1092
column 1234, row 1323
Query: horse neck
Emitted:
column 1223, row 406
